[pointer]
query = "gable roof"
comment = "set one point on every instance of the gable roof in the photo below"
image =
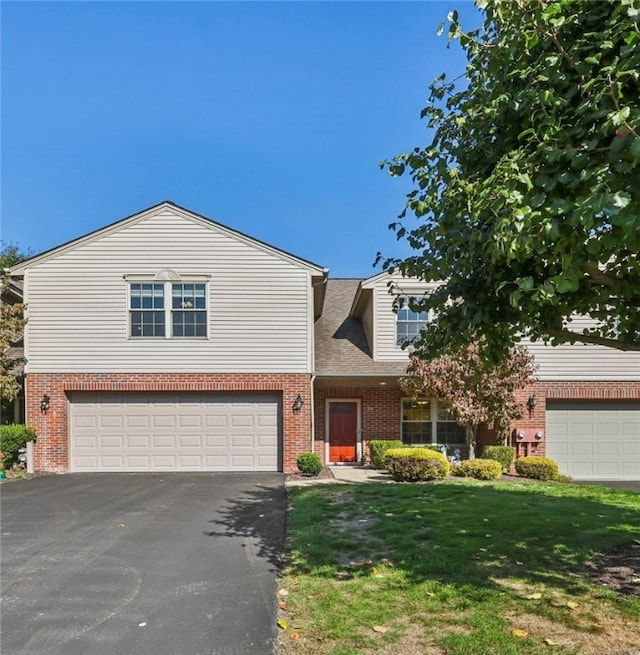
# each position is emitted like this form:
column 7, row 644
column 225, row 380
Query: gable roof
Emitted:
column 318, row 273
column 341, row 346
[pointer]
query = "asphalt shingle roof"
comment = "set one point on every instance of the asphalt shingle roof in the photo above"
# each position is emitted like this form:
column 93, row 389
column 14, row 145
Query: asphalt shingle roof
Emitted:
column 340, row 341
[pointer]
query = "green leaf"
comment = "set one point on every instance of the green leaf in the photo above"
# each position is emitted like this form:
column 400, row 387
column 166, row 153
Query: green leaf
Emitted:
column 526, row 283
column 621, row 199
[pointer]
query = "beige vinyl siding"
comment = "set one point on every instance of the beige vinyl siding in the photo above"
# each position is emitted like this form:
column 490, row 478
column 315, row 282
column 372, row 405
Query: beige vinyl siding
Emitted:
column 566, row 362
column 580, row 361
column 367, row 324
column 258, row 303
column 385, row 320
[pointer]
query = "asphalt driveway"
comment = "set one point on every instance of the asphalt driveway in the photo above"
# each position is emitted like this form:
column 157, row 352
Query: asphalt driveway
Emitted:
column 144, row 564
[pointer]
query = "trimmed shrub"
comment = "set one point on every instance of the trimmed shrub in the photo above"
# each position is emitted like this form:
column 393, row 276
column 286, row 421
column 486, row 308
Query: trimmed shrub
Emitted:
column 502, row 454
column 378, row 448
column 309, row 463
column 537, row 468
column 13, row 437
column 480, row 469
column 414, row 464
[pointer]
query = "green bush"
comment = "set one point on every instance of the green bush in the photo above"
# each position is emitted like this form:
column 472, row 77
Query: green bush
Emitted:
column 309, row 463
column 481, row 469
column 13, row 437
column 502, row 454
column 413, row 464
column 378, row 449
column 538, row 468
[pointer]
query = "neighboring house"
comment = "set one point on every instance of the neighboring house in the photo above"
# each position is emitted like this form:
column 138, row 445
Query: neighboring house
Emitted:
column 587, row 398
column 13, row 411
column 167, row 341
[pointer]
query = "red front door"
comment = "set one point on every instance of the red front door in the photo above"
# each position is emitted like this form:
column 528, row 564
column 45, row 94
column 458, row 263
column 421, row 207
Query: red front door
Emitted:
column 343, row 431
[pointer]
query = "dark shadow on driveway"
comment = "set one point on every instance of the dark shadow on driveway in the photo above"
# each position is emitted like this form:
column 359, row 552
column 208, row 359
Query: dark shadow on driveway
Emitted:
column 255, row 518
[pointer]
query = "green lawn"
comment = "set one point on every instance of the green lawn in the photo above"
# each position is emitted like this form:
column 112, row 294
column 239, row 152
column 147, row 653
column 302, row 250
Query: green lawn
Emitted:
column 456, row 568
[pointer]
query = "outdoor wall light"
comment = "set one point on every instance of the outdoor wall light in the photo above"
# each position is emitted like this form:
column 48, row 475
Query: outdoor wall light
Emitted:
column 521, row 434
column 44, row 403
column 539, row 435
column 297, row 404
column 531, row 403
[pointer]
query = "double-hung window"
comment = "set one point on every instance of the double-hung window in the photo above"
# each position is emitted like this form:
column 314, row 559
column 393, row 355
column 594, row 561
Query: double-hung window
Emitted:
column 429, row 421
column 167, row 309
column 409, row 322
column 147, row 309
column 188, row 310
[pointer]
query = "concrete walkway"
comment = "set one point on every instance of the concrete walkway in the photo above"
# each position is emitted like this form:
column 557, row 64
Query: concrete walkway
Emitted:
column 343, row 474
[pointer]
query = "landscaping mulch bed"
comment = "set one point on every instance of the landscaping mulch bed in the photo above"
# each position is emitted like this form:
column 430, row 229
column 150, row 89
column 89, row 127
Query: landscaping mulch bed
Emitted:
column 325, row 474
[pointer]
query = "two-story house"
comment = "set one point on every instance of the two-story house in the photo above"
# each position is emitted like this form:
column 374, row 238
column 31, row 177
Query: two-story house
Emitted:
column 584, row 410
column 169, row 342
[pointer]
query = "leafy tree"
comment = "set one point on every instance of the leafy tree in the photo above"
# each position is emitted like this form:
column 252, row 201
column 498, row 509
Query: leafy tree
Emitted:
column 12, row 254
column 476, row 390
column 11, row 323
column 527, row 197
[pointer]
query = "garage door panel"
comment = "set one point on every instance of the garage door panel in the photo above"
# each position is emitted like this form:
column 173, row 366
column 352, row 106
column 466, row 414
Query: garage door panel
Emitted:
column 159, row 421
column 137, row 421
column 138, row 441
column 194, row 441
column 594, row 441
column 166, row 432
column 111, row 442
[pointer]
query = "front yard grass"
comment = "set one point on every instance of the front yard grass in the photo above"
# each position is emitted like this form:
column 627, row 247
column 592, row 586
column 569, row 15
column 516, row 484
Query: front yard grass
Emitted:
column 456, row 568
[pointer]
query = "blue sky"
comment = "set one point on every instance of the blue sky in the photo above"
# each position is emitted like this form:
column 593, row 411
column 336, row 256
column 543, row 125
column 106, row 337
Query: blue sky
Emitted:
column 269, row 117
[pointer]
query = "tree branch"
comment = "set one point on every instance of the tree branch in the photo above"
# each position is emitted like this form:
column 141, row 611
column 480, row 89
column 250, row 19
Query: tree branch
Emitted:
column 601, row 278
column 593, row 339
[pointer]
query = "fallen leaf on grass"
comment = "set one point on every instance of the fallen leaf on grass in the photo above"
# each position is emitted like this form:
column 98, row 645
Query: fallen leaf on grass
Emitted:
column 283, row 606
column 550, row 642
column 536, row 596
column 283, row 592
column 294, row 636
column 282, row 624
column 380, row 628
column 519, row 563
column 572, row 605
column 518, row 632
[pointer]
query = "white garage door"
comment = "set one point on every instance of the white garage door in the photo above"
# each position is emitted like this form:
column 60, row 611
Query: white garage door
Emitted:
column 175, row 432
column 595, row 441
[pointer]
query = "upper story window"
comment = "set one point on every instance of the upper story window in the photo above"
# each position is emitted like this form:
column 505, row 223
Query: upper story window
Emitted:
column 146, row 310
column 408, row 322
column 188, row 310
column 167, row 309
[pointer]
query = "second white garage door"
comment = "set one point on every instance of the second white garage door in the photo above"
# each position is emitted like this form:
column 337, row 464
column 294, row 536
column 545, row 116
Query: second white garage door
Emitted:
column 175, row 432
column 595, row 441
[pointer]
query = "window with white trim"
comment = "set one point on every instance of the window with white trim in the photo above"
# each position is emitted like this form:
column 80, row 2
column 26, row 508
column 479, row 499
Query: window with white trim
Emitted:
column 146, row 309
column 409, row 321
column 429, row 421
column 151, row 314
column 188, row 310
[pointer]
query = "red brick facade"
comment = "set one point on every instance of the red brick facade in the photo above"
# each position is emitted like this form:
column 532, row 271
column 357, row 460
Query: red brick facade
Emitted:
column 380, row 414
column 52, row 427
column 381, row 411
column 380, row 407
column 531, row 422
